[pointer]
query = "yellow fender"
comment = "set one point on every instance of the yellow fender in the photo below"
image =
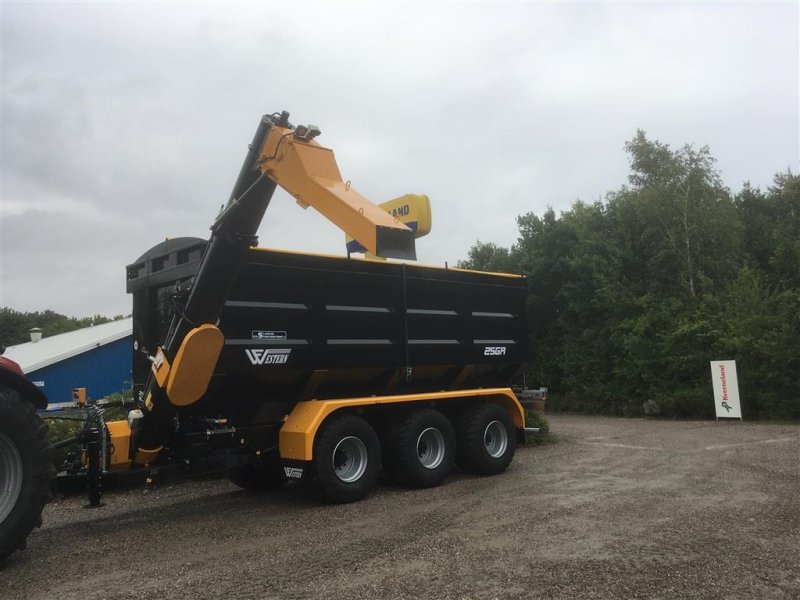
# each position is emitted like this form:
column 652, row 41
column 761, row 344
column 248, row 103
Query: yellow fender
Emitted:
column 296, row 438
column 186, row 379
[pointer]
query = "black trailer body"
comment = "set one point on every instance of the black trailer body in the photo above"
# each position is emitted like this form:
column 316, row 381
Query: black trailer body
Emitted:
column 301, row 326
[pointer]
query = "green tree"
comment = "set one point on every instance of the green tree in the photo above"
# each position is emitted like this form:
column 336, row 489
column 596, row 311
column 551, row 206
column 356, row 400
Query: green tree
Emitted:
column 759, row 327
column 630, row 298
column 771, row 229
column 15, row 326
column 488, row 257
column 688, row 213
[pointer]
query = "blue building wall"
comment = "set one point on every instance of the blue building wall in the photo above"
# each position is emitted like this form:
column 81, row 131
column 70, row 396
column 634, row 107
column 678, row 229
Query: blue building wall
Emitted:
column 102, row 371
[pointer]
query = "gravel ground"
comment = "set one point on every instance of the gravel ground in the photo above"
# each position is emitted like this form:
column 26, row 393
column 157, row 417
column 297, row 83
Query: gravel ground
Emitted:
column 615, row 508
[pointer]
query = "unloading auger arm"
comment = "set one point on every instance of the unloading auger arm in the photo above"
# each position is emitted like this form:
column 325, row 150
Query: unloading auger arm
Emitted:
column 279, row 154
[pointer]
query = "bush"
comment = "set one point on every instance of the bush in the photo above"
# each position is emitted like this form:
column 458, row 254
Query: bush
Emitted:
column 536, row 418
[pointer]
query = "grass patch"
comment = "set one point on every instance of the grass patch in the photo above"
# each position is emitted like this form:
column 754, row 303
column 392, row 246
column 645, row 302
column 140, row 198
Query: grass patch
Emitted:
column 536, row 418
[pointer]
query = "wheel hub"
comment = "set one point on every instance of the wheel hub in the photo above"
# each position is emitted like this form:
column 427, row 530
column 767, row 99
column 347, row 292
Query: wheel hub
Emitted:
column 495, row 439
column 430, row 448
column 350, row 459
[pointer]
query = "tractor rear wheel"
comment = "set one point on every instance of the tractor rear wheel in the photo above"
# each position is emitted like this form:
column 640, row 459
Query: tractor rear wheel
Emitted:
column 26, row 470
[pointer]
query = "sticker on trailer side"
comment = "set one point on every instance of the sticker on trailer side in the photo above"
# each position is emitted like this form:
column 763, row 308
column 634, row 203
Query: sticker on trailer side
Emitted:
column 260, row 334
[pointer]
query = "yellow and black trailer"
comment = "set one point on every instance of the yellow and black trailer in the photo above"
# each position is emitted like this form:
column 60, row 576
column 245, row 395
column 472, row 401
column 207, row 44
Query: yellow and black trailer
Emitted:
column 322, row 368
column 344, row 366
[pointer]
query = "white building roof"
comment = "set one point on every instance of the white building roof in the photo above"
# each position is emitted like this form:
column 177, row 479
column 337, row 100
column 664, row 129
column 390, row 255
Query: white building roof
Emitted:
column 36, row 355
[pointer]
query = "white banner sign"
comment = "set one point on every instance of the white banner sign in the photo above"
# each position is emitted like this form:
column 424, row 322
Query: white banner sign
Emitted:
column 726, row 389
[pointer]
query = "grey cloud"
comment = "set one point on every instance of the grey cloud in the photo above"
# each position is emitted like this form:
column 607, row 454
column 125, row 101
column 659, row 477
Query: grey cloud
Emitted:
column 124, row 124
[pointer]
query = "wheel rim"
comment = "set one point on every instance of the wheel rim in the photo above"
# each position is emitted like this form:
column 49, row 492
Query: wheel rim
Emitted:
column 10, row 475
column 495, row 438
column 430, row 448
column 350, row 459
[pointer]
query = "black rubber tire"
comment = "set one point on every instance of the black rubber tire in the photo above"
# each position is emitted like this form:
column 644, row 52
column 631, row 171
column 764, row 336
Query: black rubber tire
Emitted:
column 325, row 484
column 471, row 425
column 265, row 475
column 28, row 433
column 402, row 461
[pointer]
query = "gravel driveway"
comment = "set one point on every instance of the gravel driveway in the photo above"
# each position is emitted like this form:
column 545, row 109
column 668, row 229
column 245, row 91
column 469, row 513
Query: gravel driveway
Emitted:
column 616, row 508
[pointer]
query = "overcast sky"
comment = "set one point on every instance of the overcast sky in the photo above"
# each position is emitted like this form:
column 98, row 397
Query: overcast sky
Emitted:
column 126, row 123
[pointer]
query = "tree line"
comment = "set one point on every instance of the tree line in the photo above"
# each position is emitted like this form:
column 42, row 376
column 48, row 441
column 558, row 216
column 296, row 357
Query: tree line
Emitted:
column 631, row 297
column 15, row 325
